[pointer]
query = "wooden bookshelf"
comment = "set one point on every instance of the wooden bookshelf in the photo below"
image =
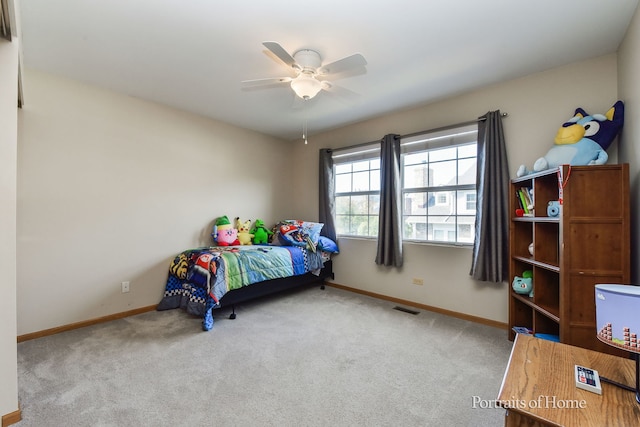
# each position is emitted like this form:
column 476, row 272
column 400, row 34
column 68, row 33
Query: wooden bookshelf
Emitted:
column 586, row 244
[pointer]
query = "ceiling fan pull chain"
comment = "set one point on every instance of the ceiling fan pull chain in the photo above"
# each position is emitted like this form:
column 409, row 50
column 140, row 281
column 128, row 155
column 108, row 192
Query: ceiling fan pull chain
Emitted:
column 304, row 131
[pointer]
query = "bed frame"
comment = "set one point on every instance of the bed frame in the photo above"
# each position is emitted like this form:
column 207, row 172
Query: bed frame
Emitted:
column 268, row 287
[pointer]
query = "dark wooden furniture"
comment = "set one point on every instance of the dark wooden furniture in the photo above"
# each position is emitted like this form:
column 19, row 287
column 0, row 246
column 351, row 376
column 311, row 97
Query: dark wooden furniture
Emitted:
column 538, row 388
column 587, row 244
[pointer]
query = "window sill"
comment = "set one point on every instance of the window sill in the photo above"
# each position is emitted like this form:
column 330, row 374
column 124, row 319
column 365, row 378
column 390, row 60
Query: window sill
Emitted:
column 412, row 242
column 440, row 244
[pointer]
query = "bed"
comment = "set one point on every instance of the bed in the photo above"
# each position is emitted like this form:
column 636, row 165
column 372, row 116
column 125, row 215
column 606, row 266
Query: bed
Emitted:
column 203, row 279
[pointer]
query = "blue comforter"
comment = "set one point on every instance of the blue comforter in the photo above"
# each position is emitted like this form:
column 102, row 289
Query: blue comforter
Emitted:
column 199, row 278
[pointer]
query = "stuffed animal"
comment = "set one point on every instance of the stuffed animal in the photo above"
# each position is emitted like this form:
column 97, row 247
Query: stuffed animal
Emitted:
column 244, row 236
column 225, row 234
column 583, row 140
column 524, row 284
column 260, row 233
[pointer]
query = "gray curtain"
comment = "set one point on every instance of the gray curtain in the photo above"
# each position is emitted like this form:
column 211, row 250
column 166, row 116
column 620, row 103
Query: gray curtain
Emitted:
column 491, row 248
column 326, row 204
column 390, row 220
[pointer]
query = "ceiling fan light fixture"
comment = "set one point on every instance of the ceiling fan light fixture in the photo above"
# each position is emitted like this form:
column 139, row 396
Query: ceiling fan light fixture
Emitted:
column 306, row 86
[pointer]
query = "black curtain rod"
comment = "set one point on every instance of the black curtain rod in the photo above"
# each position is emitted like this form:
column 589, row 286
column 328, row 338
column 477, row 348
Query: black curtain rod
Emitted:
column 479, row 119
column 482, row 119
column 470, row 122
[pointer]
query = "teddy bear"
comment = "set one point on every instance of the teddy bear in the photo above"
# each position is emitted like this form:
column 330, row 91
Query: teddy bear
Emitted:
column 224, row 233
column 244, row 235
column 583, row 140
column 260, row 233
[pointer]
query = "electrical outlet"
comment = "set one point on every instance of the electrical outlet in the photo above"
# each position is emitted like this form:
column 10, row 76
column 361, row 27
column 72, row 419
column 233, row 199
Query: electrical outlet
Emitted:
column 417, row 281
column 125, row 287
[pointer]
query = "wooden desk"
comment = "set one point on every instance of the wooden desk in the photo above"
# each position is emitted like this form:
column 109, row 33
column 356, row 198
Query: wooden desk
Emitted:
column 538, row 388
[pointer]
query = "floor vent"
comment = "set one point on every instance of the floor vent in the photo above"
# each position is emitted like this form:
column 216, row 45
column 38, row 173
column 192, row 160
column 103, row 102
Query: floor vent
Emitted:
column 406, row 310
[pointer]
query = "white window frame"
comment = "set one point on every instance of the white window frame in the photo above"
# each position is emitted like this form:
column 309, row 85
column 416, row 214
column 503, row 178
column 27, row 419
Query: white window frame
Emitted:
column 457, row 136
column 366, row 152
column 418, row 226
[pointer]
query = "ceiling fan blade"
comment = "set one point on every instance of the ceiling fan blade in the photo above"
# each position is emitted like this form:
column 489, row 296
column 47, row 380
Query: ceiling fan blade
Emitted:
column 350, row 62
column 340, row 92
column 266, row 82
column 279, row 51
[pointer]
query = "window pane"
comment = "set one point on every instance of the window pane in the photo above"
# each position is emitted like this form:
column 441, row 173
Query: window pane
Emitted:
column 343, row 168
column 415, row 227
column 361, row 181
column 416, row 176
column 342, row 224
column 359, row 205
column 360, row 225
column 441, row 226
column 360, row 166
column 373, row 225
column 415, row 204
column 417, row 158
column 443, row 173
column 467, row 202
column 343, row 183
column 374, row 205
column 469, row 150
column 442, row 203
column 443, row 154
column 467, row 171
column 466, row 229
column 374, row 177
column 342, row 205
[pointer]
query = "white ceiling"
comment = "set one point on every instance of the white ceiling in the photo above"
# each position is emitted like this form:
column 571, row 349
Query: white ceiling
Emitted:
column 193, row 54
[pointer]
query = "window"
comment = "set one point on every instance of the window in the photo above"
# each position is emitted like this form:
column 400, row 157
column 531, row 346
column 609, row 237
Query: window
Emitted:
column 439, row 185
column 357, row 190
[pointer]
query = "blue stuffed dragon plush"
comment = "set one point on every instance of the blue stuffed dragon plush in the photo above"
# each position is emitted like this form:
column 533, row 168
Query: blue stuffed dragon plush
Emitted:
column 583, row 140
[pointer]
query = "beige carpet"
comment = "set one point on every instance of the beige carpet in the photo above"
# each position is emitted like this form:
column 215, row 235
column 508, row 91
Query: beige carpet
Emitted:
column 308, row 357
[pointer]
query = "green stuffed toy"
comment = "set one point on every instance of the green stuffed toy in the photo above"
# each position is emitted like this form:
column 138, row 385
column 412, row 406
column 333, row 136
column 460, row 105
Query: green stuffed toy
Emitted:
column 260, row 233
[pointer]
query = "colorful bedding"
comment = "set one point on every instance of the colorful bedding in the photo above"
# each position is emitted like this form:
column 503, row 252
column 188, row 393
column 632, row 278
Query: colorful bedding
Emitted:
column 199, row 278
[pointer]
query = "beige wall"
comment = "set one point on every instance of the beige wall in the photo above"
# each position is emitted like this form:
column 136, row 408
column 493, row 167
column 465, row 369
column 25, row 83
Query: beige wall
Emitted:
column 537, row 106
column 629, row 90
column 8, row 153
column 110, row 188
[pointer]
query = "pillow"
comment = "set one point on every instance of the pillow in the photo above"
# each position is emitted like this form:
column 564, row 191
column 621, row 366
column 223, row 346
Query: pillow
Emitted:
column 327, row 245
column 293, row 232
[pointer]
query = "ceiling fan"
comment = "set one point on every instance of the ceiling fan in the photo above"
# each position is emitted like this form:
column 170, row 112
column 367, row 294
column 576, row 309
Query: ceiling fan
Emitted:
column 308, row 71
